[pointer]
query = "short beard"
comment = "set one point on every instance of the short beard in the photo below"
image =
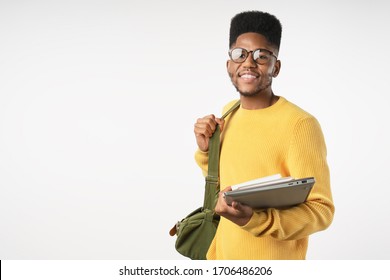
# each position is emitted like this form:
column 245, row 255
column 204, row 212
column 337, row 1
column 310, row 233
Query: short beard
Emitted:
column 257, row 91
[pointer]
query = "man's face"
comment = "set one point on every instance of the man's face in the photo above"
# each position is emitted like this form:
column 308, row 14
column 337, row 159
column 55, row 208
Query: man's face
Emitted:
column 248, row 77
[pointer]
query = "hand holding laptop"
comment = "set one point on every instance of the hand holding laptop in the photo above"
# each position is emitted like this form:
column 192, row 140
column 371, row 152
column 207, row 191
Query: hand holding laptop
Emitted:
column 271, row 192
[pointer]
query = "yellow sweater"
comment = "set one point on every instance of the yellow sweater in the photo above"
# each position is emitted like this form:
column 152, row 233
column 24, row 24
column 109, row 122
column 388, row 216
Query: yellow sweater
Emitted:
column 281, row 139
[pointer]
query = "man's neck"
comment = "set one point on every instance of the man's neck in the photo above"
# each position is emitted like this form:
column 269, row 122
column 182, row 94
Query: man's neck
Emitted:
column 259, row 101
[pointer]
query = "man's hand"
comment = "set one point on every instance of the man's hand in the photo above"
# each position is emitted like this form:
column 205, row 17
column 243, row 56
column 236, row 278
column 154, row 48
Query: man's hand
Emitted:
column 238, row 213
column 204, row 129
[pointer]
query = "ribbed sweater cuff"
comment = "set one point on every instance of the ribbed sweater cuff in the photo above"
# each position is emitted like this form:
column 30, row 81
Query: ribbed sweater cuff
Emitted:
column 256, row 224
column 201, row 158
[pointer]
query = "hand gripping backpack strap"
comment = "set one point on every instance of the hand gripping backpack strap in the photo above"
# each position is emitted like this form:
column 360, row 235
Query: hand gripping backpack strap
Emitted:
column 212, row 179
column 196, row 231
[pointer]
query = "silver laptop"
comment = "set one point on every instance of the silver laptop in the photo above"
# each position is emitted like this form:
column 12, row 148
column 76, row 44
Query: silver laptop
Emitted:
column 279, row 195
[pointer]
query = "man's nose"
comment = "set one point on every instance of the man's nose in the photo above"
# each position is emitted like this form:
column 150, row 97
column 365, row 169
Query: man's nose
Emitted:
column 249, row 62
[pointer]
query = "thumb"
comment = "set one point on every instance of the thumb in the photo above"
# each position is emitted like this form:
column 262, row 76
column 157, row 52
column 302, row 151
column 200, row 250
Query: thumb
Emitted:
column 220, row 122
column 237, row 205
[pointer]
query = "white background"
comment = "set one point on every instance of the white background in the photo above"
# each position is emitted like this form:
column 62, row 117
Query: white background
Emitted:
column 98, row 101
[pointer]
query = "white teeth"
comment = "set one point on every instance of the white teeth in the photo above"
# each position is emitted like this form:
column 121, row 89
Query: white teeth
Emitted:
column 247, row 76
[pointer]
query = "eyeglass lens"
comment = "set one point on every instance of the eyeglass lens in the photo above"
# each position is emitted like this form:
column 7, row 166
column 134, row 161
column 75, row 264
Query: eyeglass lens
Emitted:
column 260, row 56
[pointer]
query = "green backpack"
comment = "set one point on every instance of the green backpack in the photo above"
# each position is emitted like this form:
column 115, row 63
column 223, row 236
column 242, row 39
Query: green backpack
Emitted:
column 197, row 230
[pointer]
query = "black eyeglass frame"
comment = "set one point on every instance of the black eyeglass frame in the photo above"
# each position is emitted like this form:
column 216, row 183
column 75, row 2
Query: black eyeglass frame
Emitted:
column 246, row 52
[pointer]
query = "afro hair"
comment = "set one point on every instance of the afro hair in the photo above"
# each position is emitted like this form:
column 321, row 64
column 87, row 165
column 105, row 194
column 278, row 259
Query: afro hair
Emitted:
column 259, row 22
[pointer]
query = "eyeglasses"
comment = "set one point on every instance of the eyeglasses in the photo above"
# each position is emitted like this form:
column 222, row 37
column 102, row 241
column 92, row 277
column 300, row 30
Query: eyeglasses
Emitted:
column 260, row 56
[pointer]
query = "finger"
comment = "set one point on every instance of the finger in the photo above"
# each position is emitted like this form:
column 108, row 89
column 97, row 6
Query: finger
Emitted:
column 236, row 206
column 221, row 206
column 205, row 126
column 242, row 208
column 220, row 122
column 203, row 129
column 210, row 120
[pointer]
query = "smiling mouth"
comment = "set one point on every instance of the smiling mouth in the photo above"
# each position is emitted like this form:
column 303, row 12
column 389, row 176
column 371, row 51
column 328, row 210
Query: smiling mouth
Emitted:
column 248, row 76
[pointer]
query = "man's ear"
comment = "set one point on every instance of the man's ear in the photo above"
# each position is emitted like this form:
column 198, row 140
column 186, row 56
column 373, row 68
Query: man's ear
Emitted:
column 227, row 67
column 276, row 70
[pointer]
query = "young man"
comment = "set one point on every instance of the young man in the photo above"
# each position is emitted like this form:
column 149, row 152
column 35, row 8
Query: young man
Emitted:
column 266, row 135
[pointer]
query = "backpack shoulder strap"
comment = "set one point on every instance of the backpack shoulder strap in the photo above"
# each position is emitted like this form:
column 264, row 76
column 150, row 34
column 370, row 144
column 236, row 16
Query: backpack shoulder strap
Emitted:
column 212, row 179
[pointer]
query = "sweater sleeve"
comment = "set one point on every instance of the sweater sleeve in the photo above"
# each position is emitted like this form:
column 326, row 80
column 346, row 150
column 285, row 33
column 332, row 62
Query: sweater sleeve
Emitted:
column 306, row 158
column 202, row 159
